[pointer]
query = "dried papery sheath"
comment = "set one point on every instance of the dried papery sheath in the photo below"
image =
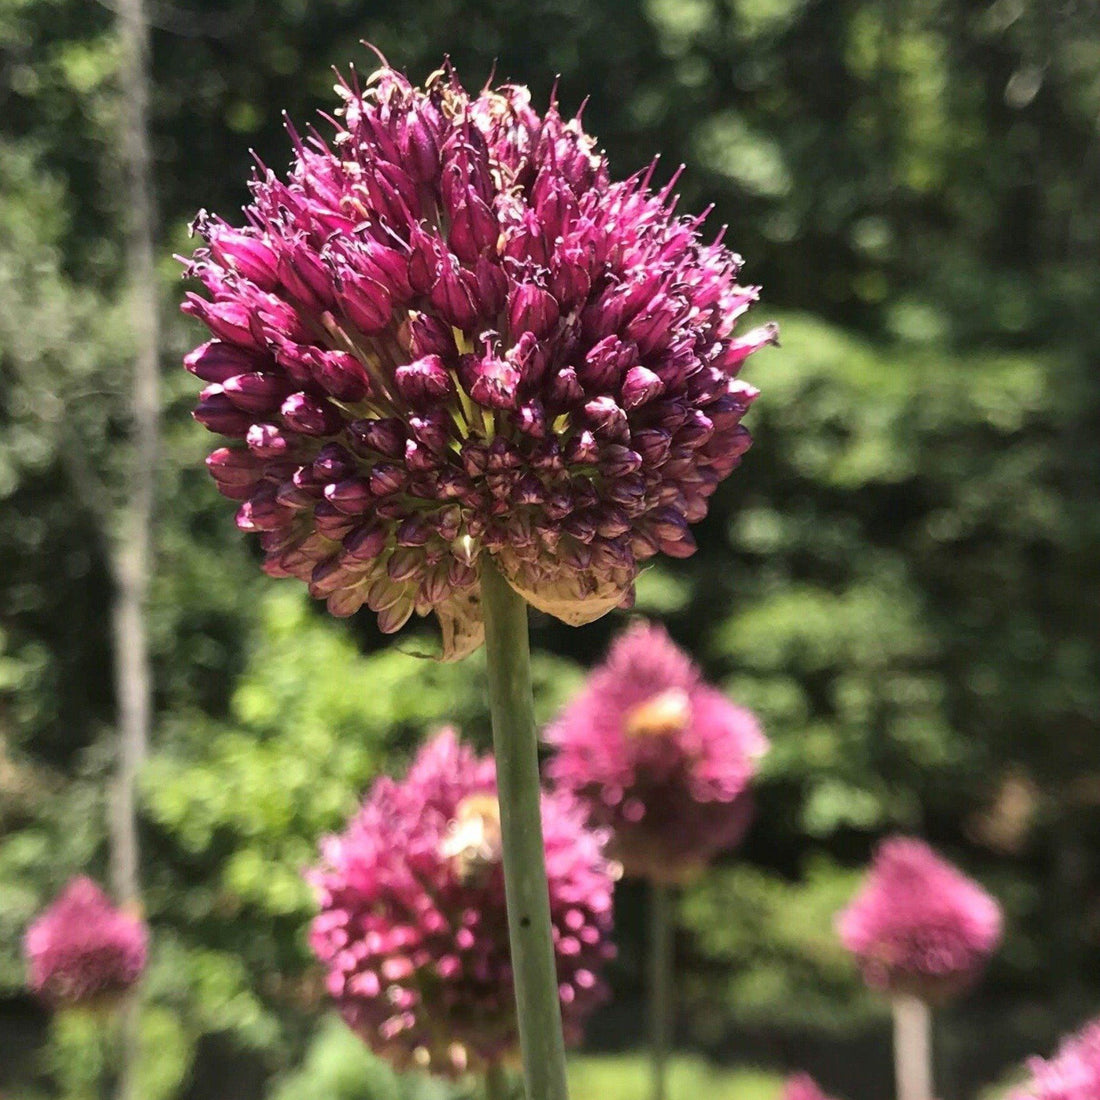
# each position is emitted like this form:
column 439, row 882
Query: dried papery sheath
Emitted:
column 84, row 952
column 658, row 755
column 448, row 333
column 919, row 926
column 413, row 930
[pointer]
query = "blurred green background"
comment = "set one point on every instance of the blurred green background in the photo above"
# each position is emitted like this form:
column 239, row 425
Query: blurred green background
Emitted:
column 903, row 579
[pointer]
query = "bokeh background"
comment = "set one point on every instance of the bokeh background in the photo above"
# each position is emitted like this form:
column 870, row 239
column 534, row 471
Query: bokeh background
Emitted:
column 903, row 579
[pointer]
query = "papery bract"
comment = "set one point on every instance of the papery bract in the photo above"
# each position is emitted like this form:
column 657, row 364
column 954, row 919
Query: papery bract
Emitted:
column 450, row 328
column 659, row 756
column 918, row 925
column 413, row 929
column 82, row 951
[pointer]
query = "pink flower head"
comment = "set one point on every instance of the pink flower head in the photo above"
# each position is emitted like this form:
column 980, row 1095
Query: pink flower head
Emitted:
column 919, row 925
column 449, row 333
column 82, row 950
column 802, row 1087
column 659, row 756
column 1072, row 1074
column 413, row 929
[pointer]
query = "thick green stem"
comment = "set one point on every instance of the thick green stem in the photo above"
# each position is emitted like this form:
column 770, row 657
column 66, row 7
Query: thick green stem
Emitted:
column 912, row 1048
column 508, row 657
column 661, row 905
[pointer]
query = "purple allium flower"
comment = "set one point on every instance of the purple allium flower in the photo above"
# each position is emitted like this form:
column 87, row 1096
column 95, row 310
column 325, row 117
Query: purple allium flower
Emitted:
column 82, row 950
column 413, row 929
column 659, row 756
column 449, row 333
column 918, row 925
column 1072, row 1074
column 802, row 1087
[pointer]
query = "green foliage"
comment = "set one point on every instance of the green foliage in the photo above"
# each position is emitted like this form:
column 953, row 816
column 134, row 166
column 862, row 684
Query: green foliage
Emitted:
column 626, row 1077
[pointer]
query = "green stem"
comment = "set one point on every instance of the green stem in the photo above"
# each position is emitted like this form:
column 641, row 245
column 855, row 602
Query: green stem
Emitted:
column 660, row 985
column 508, row 657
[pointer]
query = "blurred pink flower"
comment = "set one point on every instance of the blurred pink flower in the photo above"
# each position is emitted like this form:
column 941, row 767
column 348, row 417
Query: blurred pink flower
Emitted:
column 82, row 950
column 659, row 756
column 413, row 929
column 1072, row 1074
column 919, row 925
column 802, row 1087
column 449, row 333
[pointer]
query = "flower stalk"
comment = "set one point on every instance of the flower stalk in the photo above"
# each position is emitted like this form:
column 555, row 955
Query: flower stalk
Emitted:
column 912, row 1048
column 661, row 906
column 511, row 704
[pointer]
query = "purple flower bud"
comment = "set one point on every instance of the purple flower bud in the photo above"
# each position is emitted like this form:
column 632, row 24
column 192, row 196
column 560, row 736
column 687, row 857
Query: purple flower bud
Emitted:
column 640, row 386
column 268, row 441
column 386, row 478
column 606, row 363
column 473, row 229
column 366, row 542
column 582, row 449
column 341, row 375
column 216, row 413
column 216, row 362
column 405, row 564
column 454, row 294
column 306, row 278
column 607, row 418
column 565, row 389
column 384, row 436
column 330, row 521
column 243, row 251
column 233, row 322
column 352, row 496
column 365, row 302
column 431, row 335
column 617, row 461
column 490, row 381
column 310, row 416
column 533, row 310
column 424, row 382
column 653, row 445
column 256, row 393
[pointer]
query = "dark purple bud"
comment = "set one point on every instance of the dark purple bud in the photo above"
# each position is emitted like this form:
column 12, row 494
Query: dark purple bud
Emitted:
column 382, row 436
column 419, row 458
column 256, row 393
column 365, row 302
column 492, row 286
column 245, row 253
column 570, row 282
column 366, row 542
column 341, row 375
column 575, row 554
column 292, row 495
column 531, row 419
column 582, row 449
column 330, row 521
column 461, row 574
column 606, row 417
column 296, row 359
column 666, row 523
column 216, row 413
column 473, row 229
column 390, row 267
column 306, row 277
column 309, row 415
column 628, row 491
column 529, row 490
column 419, row 148
column 231, row 321
column 612, row 521
column 475, row 458
column 430, row 335
column 546, row 455
column 616, row 461
column 267, row 441
column 490, row 381
column 532, row 309
column 639, row 386
column 696, row 430
column 652, row 444
column 436, row 586
column 682, row 547
column 405, row 564
column 425, row 381
column 328, row 576
column 447, row 522
column 216, row 362
column 432, row 429
column 385, row 478
column 352, row 496
column 393, row 618
column 414, row 531
column 424, row 260
column 606, row 364
column 454, row 294
column 581, row 525
column 345, row 602
column 234, row 468
column 558, row 504
column 565, row 389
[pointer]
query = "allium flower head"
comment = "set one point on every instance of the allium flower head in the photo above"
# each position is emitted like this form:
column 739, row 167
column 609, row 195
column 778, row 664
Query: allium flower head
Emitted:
column 82, row 950
column 448, row 333
column 413, row 929
column 659, row 756
column 919, row 925
column 802, row 1087
column 1072, row 1074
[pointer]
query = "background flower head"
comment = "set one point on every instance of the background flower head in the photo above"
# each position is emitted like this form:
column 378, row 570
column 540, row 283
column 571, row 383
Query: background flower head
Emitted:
column 918, row 925
column 82, row 951
column 413, row 928
column 1072, row 1074
column 802, row 1087
column 448, row 333
column 658, row 755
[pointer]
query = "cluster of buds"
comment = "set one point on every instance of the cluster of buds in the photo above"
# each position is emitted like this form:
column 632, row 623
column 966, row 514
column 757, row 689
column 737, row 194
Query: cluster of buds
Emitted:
column 413, row 928
column 448, row 333
column 82, row 951
column 1072, row 1074
column 919, row 926
column 659, row 756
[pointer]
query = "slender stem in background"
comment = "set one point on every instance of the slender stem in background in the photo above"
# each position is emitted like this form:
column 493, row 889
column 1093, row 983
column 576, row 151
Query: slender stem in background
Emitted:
column 661, row 906
column 511, row 704
column 497, row 1086
column 133, row 541
column 912, row 1048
